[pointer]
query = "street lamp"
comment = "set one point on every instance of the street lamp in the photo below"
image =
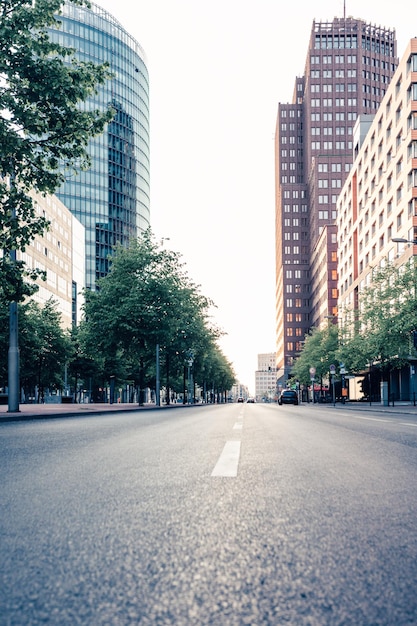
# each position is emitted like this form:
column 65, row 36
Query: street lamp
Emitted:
column 403, row 240
column 190, row 362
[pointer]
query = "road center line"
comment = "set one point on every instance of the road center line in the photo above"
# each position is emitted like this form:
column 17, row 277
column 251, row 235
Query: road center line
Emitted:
column 237, row 426
column 228, row 460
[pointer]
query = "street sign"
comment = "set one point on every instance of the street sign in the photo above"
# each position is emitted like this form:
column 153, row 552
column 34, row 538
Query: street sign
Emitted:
column 333, row 369
column 312, row 371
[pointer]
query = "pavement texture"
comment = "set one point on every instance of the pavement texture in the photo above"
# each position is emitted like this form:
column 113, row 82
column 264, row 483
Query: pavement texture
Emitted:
column 47, row 411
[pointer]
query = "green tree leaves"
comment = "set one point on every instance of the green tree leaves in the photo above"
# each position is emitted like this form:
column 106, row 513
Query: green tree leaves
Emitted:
column 378, row 332
column 44, row 129
column 44, row 347
column 148, row 299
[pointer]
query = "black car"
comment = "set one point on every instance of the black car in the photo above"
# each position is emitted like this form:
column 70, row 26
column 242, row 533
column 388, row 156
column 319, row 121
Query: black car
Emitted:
column 288, row 396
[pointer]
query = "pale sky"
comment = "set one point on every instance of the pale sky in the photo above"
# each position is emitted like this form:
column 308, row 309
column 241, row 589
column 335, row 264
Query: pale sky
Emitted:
column 217, row 71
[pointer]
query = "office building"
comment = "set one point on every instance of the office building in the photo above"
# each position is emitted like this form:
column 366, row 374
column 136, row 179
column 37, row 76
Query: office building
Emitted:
column 348, row 69
column 111, row 199
column 266, row 377
column 378, row 202
column 58, row 253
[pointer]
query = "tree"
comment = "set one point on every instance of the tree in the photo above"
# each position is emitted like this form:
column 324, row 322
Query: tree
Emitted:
column 44, row 347
column 148, row 300
column 320, row 351
column 43, row 129
column 380, row 331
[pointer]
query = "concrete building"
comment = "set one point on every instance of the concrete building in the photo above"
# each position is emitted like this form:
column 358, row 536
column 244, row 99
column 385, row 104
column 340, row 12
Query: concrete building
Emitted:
column 60, row 253
column 112, row 198
column 266, row 377
column 349, row 66
column 378, row 201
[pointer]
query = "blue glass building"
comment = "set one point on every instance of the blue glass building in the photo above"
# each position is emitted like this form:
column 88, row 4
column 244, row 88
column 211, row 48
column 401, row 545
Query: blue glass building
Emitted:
column 111, row 199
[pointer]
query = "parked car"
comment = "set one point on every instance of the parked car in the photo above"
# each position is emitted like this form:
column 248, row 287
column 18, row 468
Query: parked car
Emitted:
column 288, row 396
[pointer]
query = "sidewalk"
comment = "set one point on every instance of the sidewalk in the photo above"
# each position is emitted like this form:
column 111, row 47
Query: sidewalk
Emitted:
column 49, row 411
column 400, row 408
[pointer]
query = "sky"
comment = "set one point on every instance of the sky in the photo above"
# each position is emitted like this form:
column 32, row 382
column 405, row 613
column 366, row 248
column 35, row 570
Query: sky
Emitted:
column 218, row 70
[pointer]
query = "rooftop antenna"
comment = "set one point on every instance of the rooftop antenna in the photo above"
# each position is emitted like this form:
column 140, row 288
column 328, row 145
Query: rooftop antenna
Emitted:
column 344, row 9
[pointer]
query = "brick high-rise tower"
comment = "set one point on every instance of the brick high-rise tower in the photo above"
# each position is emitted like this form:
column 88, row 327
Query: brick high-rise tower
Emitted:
column 348, row 68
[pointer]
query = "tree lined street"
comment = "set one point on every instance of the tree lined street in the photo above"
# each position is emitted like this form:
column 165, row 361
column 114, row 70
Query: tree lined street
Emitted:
column 122, row 519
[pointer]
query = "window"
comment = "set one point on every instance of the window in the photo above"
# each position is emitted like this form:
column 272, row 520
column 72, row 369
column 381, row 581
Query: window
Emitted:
column 399, row 220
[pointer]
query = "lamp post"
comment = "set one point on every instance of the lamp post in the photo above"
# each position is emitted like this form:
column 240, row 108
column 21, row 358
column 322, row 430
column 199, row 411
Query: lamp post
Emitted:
column 13, row 354
column 157, row 381
column 13, row 360
column 190, row 377
column 404, row 240
column 414, row 243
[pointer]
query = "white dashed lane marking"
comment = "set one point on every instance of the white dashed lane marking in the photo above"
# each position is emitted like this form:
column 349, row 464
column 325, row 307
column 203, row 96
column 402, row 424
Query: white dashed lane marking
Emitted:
column 228, row 461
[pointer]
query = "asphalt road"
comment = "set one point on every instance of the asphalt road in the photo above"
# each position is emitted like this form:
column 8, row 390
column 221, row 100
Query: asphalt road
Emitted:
column 222, row 515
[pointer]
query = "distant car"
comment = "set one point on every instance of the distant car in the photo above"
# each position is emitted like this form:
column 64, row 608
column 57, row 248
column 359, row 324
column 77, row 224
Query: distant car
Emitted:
column 288, row 396
column 240, row 399
column 252, row 400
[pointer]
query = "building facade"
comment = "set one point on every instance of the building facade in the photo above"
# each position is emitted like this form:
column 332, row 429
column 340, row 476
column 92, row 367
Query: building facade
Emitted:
column 378, row 202
column 266, row 377
column 349, row 66
column 57, row 253
column 112, row 198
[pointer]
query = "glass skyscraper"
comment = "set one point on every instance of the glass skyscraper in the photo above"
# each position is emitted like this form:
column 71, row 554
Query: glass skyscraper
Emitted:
column 112, row 198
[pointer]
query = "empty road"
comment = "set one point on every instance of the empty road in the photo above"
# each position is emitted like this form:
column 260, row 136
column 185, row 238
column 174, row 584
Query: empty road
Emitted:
column 239, row 514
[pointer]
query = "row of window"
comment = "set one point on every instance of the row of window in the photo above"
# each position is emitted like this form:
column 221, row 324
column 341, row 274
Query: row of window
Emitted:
column 337, row 102
column 335, row 183
column 338, row 116
column 328, row 59
column 296, row 250
column 328, row 87
column 340, row 41
column 295, row 222
column 331, row 145
column 352, row 73
column 329, row 130
column 330, row 41
column 296, row 303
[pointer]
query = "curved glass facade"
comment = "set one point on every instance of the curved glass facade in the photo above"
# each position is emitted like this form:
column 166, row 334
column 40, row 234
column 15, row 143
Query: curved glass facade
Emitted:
column 111, row 199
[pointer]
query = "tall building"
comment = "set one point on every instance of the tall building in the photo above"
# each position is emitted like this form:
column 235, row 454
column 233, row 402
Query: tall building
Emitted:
column 348, row 68
column 266, row 376
column 112, row 198
column 378, row 202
